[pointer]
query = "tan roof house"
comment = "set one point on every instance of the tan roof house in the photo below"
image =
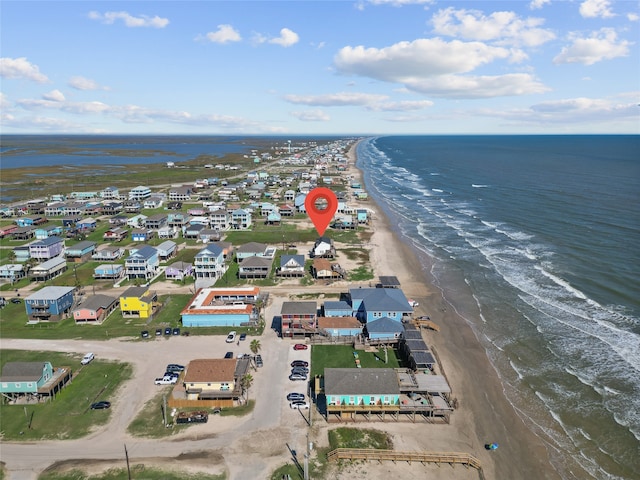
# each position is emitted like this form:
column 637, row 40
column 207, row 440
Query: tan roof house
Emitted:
column 210, row 379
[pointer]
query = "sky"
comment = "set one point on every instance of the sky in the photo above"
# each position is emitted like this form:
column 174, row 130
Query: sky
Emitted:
column 358, row 67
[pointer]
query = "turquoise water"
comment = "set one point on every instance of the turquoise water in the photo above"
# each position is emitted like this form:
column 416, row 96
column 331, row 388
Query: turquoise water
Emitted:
column 545, row 232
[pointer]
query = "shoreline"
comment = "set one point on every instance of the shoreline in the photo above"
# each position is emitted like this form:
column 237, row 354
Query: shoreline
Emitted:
column 484, row 414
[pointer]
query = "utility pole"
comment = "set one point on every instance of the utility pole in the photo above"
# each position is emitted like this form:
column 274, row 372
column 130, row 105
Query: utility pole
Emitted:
column 126, row 456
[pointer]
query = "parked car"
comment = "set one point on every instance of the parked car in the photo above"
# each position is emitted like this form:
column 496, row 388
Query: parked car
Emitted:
column 100, row 405
column 166, row 380
column 299, row 405
column 228, row 355
column 243, row 336
column 301, row 371
column 295, row 397
column 174, row 367
column 172, row 374
column 144, row 334
column 299, row 363
column 297, row 376
column 88, row 358
column 300, row 346
column 167, row 331
column 259, row 361
column 176, row 331
column 158, row 332
column 231, row 337
column 16, row 300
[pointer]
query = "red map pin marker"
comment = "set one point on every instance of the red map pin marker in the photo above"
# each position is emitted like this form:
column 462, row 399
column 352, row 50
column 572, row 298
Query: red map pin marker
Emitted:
column 321, row 218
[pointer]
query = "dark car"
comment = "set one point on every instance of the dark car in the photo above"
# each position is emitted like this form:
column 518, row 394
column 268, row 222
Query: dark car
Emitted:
column 243, row 336
column 300, row 346
column 259, row 361
column 174, row 367
column 295, row 397
column 299, row 363
column 144, row 334
column 167, row 331
column 172, row 374
column 300, row 370
column 176, row 331
column 16, row 300
column 100, row 405
column 158, row 332
column 228, row 355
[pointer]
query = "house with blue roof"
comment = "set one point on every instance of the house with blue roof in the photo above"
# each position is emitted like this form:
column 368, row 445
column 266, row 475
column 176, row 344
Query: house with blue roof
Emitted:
column 240, row 219
column 46, row 248
column 209, row 265
column 291, row 266
column 143, row 262
column 335, row 308
column 384, row 329
column 373, row 303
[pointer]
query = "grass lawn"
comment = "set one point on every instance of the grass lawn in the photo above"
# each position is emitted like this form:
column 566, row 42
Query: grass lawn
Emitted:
column 14, row 323
column 341, row 356
column 68, row 415
column 345, row 437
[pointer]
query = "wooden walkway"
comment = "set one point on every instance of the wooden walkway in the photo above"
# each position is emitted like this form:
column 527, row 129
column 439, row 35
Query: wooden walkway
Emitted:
column 450, row 458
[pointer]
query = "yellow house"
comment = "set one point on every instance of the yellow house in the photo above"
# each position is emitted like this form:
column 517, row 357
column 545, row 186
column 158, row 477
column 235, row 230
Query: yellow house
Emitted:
column 138, row 302
column 210, row 379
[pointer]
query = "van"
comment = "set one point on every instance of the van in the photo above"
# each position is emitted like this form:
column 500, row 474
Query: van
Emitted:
column 87, row 358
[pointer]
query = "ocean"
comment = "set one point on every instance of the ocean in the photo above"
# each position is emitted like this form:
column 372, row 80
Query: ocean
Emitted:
column 544, row 234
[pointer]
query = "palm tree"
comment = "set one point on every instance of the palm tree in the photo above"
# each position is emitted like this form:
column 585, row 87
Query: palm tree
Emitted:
column 255, row 346
column 245, row 382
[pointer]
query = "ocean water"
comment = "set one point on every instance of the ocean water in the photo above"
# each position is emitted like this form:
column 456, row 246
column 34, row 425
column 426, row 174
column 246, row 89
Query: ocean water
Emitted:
column 544, row 231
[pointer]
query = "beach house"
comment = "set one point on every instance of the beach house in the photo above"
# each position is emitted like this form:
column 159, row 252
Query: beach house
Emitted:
column 142, row 263
column 298, row 319
column 138, row 302
column 95, row 309
column 49, row 304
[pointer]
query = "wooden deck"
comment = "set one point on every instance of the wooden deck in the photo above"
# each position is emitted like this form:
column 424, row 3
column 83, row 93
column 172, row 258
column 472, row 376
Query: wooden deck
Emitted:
column 451, row 458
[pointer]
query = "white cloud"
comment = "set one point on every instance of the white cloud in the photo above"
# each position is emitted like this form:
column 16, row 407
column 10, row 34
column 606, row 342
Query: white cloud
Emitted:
column 4, row 102
column 413, row 61
column 572, row 111
column 129, row 20
column 457, row 86
column 287, row 38
column 537, row 4
column 501, row 28
column 596, row 8
column 21, row 68
column 54, row 96
column 633, row 17
column 312, row 116
column 225, row 34
column 601, row 45
column 82, row 83
column 335, row 99
column 402, row 106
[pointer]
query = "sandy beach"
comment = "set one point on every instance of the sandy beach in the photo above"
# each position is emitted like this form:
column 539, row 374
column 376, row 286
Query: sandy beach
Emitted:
column 484, row 415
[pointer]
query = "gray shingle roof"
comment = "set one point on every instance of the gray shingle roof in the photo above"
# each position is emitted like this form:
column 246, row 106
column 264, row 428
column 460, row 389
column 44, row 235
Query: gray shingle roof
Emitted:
column 361, row 381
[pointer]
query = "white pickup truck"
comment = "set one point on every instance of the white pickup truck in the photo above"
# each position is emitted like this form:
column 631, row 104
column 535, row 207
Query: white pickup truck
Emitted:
column 166, row 380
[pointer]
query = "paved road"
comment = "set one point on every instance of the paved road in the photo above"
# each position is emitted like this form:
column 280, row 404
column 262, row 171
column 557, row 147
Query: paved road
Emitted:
column 249, row 446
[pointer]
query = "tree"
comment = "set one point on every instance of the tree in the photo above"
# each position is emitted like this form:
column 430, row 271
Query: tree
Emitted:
column 245, row 382
column 255, row 346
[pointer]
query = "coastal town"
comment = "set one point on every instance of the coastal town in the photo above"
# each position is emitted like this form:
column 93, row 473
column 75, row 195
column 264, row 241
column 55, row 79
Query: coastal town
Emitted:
column 226, row 281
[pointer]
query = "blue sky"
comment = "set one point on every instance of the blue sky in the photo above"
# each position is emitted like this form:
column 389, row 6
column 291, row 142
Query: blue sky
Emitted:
column 320, row 67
